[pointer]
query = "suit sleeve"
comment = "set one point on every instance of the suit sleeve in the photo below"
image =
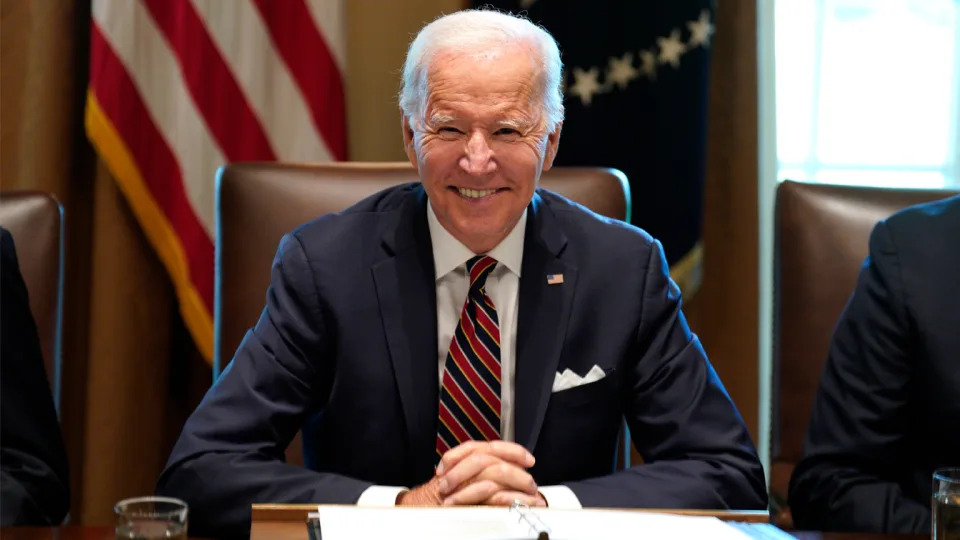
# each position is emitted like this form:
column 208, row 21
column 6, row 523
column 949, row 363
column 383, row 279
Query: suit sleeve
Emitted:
column 696, row 449
column 231, row 451
column 33, row 478
column 858, row 425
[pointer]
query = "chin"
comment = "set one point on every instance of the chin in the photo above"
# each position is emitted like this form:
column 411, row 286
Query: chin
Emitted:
column 481, row 225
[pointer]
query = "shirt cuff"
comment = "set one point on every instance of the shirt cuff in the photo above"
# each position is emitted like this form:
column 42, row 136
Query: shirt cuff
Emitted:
column 380, row 496
column 560, row 497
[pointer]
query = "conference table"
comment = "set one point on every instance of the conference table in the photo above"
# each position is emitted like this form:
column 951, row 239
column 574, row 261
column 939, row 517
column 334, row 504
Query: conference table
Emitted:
column 75, row 532
column 287, row 522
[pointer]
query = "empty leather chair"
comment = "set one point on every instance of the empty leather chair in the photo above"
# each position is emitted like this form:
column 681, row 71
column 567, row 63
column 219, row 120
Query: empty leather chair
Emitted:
column 260, row 202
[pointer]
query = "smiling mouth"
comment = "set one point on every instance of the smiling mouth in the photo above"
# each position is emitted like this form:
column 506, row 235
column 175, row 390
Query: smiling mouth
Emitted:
column 468, row 193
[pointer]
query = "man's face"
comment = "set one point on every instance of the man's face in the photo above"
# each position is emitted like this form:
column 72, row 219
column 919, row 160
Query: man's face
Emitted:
column 484, row 143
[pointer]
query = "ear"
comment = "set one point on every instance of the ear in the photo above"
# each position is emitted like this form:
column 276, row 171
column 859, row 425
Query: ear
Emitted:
column 553, row 142
column 408, row 145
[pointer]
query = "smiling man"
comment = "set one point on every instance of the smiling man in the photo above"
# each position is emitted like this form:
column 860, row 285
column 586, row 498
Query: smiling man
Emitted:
column 426, row 345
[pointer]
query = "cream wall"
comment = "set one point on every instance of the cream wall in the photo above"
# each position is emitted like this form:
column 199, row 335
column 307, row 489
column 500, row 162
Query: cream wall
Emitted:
column 378, row 32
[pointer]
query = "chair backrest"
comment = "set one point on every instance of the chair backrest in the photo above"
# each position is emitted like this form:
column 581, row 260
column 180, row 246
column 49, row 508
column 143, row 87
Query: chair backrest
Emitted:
column 821, row 241
column 34, row 219
column 259, row 202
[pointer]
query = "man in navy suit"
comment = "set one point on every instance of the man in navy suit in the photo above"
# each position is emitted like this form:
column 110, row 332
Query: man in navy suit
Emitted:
column 888, row 406
column 34, row 479
column 468, row 339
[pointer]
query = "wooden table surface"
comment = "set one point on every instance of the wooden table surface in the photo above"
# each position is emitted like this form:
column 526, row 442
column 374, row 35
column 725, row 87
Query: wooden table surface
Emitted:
column 289, row 530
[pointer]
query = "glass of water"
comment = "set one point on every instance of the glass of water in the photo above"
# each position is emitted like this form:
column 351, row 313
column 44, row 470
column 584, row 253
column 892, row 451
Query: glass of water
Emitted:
column 946, row 504
column 151, row 518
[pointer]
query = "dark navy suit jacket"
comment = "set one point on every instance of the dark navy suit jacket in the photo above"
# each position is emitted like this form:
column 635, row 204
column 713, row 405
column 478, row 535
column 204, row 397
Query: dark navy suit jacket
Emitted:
column 888, row 408
column 34, row 478
column 347, row 348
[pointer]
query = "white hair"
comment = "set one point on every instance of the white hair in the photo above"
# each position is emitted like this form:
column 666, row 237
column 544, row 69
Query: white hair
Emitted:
column 480, row 31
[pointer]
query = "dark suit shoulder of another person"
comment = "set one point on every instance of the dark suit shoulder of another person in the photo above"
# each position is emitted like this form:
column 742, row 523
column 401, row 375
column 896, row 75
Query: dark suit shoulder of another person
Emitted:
column 33, row 464
column 886, row 410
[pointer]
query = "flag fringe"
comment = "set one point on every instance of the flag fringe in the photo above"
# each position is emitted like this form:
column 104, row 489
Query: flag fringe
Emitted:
column 688, row 271
column 156, row 226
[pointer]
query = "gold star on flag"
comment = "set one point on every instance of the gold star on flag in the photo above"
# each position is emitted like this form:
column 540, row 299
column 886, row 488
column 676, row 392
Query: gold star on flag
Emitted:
column 671, row 48
column 648, row 64
column 585, row 85
column 621, row 70
column 701, row 30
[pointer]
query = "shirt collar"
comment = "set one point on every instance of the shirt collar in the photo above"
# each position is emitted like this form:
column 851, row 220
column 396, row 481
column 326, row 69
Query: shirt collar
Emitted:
column 449, row 253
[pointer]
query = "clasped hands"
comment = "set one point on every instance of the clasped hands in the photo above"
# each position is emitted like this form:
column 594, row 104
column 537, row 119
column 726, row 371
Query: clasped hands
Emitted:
column 479, row 473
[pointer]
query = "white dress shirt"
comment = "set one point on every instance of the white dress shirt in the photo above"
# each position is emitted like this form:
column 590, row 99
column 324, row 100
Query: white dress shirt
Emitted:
column 503, row 286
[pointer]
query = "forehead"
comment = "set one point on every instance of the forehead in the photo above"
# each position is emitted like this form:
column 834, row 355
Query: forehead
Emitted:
column 496, row 76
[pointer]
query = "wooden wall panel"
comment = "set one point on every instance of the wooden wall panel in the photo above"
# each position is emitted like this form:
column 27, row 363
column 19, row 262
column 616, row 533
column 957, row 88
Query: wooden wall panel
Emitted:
column 724, row 311
column 378, row 33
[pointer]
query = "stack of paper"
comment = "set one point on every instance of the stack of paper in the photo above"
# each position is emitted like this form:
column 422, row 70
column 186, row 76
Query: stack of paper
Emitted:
column 490, row 523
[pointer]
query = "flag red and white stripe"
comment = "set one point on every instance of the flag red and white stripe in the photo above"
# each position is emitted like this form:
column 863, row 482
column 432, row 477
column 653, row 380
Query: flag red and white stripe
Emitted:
column 180, row 87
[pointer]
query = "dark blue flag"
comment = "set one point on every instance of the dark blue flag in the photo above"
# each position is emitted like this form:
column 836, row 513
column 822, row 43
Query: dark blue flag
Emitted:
column 636, row 99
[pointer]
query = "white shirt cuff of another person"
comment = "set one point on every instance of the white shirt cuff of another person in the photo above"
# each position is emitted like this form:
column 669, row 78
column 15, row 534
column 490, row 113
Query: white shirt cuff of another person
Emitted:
column 380, row 496
column 560, row 497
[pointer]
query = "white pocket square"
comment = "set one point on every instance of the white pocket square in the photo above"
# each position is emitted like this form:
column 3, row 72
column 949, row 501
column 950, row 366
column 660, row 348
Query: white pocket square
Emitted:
column 569, row 379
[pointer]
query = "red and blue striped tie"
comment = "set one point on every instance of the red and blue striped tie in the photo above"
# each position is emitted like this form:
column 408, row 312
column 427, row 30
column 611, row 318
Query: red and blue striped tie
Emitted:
column 470, row 395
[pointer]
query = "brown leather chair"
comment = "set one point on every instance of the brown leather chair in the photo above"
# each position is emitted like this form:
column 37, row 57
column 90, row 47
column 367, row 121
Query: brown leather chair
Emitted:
column 821, row 241
column 259, row 202
column 35, row 221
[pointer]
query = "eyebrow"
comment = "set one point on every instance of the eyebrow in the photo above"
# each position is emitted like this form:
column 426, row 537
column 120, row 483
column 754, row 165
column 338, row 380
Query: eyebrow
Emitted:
column 515, row 124
column 439, row 118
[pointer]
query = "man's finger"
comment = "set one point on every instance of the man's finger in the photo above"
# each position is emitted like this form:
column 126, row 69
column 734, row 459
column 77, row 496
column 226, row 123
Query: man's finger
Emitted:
column 463, row 470
column 482, row 466
column 457, row 453
column 504, row 450
column 475, row 493
column 506, row 498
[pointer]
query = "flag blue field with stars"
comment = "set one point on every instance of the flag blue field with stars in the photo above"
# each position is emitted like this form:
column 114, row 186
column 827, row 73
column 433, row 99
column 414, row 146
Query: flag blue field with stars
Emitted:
column 635, row 92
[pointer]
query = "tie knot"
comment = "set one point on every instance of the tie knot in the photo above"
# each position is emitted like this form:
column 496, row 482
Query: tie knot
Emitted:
column 479, row 268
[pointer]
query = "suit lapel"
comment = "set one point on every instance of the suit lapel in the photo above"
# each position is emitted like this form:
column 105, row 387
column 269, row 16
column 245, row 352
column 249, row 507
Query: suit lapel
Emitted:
column 406, row 291
column 542, row 320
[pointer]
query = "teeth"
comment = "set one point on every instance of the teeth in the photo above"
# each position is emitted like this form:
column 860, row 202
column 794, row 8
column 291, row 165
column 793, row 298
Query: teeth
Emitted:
column 475, row 193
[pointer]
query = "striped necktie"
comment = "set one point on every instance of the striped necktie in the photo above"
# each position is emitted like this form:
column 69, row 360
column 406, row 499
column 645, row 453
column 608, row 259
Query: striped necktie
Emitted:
column 470, row 394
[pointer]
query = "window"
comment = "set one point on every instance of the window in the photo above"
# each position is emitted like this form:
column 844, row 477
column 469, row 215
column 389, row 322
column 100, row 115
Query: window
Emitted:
column 863, row 92
column 867, row 91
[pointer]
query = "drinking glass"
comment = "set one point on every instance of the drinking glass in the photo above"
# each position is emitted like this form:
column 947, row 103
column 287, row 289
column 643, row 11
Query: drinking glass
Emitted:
column 151, row 518
column 946, row 504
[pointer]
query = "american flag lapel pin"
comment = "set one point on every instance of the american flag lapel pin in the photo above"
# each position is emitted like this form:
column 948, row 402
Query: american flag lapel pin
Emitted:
column 554, row 279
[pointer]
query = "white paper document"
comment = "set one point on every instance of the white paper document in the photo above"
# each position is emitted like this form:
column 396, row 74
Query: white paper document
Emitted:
column 497, row 523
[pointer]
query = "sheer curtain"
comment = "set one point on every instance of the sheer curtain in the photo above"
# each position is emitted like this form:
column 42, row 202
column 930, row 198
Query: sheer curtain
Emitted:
column 867, row 91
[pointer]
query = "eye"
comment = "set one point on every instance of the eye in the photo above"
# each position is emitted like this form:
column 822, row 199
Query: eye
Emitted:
column 510, row 132
column 449, row 133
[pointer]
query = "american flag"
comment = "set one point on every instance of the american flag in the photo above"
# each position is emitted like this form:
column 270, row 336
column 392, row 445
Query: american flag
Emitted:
column 180, row 87
column 554, row 279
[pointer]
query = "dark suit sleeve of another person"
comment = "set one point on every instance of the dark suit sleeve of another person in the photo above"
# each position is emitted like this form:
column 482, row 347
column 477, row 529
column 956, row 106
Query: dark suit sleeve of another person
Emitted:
column 231, row 451
column 696, row 449
column 34, row 480
column 856, row 437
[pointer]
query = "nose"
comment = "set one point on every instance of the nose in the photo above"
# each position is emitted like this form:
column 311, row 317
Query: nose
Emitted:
column 477, row 158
